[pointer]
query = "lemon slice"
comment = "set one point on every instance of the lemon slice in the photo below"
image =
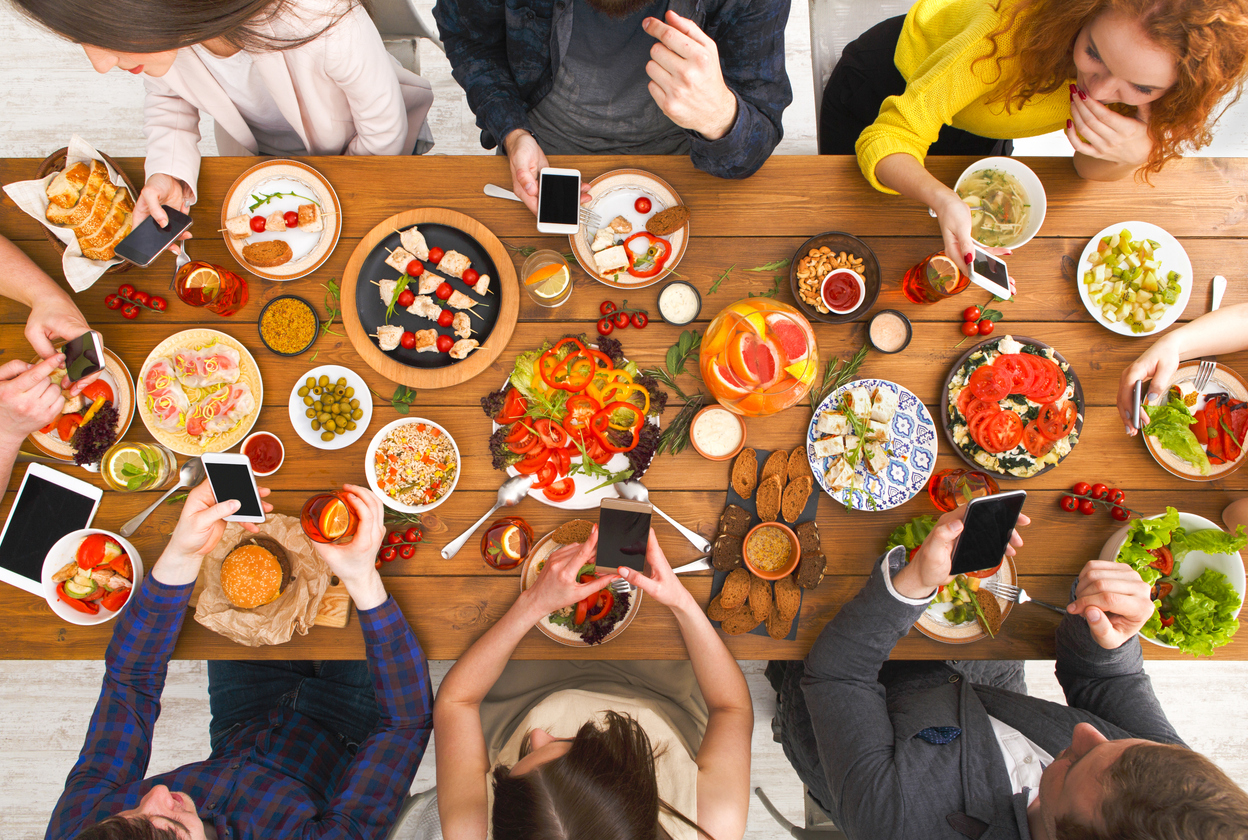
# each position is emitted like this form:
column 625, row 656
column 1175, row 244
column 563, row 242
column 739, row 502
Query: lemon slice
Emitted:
column 549, row 282
column 204, row 278
column 510, row 543
column 334, row 520
column 943, row 273
column 117, row 464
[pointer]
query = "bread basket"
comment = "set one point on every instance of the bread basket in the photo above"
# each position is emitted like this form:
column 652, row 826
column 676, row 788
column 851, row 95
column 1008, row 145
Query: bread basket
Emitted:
column 55, row 162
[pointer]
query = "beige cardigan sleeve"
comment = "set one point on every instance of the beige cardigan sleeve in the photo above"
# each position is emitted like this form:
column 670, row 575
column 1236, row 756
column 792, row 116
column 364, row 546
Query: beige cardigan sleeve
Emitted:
column 171, row 125
column 356, row 59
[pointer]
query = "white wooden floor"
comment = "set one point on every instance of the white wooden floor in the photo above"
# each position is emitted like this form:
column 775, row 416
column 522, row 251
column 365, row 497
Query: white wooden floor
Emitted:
column 48, row 91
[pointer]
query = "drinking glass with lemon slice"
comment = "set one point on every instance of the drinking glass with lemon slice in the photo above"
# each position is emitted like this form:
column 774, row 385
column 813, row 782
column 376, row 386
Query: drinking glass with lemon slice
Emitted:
column 202, row 284
column 129, row 467
column 547, row 278
column 935, row 278
column 328, row 518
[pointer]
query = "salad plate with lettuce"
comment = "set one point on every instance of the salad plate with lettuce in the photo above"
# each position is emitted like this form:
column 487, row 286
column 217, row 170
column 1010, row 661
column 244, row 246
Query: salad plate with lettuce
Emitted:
column 1196, row 573
column 1199, row 435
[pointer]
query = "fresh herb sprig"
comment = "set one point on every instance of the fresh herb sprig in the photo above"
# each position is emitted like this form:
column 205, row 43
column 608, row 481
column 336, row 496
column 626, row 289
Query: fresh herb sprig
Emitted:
column 551, row 406
column 403, row 400
column 773, row 291
column 771, row 266
column 265, row 198
column 715, row 286
column 135, row 476
column 836, row 374
column 177, row 497
column 398, row 290
column 589, row 467
column 529, row 250
column 675, row 438
column 333, row 305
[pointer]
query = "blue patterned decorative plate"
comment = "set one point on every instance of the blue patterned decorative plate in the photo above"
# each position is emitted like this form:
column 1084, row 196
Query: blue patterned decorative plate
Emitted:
column 912, row 445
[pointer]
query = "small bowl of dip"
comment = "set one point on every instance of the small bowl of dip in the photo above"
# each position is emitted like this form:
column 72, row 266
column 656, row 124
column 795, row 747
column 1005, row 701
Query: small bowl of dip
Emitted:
column 265, row 452
column 843, row 290
column 679, row 303
column 889, row 331
column 717, row 433
column 771, row 550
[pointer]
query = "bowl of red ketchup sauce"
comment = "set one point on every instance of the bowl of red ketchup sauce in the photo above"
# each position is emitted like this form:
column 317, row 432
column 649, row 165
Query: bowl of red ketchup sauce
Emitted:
column 843, row 290
column 265, row 451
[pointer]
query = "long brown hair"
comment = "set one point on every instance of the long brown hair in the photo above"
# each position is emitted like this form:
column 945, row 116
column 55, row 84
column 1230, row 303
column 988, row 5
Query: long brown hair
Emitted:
column 152, row 26
column 1207, row 38
column 604, row 787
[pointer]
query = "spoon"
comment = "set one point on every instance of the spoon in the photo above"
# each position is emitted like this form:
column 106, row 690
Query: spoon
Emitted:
column 635, row 490
column 191, row 474
column 511, row 493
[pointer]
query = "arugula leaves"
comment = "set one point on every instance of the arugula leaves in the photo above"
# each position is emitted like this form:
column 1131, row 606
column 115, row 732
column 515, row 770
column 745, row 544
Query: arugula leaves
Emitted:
column 398, row 290
column 333, row 304
column 715, row 286
column 265, row 198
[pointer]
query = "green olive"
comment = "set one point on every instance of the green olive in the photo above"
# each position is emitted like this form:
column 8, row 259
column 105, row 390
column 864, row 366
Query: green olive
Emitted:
column 308, row 401
column 350, row 392
column 354, row 404
column 310, row 414
column 342, row 380
column 357, row 414
column 316, row 425
column 327, row 436
column 323, row 416
column 303, row 392
column 309, row 382
column 335, row 410
column 323, row 381
column 350, row 426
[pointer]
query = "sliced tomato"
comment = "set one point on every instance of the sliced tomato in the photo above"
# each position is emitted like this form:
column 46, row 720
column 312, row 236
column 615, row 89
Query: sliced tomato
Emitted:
column 1164, row 562
column 989, row 383
column 978, row 407
column 1057, row 420
column 985, row 573
column 1002, row 432
column 517, row 432
column 1037, row 443
column 114, row 601
column 48, row 428
column 561, row 490
column 1199, row 428
column 964, row 400
column 98, row 389
column 514, row 407
column 597, row 452
column 1019, row 371
column 563, row 457
column 552, row 434
column 525, row 444
column 546, row 474
column 976, row 428
column 67, row 425
column 534, row 461
column 121, row 565
column 1050, row 385
column 582, row 611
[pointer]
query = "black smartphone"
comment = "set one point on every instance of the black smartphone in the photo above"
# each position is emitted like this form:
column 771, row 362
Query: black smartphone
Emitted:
column 145, row 242
column 986, row 530
column 84, row 355
column 989, row 272
column 231, row 477
column 559, row 201
column 623, row 530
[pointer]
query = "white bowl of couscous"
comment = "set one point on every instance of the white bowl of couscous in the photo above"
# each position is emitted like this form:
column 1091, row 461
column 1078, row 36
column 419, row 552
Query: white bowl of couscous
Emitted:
column 412, row 465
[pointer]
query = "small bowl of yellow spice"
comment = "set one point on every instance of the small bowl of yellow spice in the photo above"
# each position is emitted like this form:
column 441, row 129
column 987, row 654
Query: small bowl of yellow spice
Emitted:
column 288, row 325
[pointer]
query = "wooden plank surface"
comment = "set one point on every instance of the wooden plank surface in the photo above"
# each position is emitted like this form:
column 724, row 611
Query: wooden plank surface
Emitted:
column 767, row 217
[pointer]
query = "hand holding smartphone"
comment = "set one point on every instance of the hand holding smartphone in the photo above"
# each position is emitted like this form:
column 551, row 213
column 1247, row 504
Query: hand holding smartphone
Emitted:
column 230, row 476
column 84, row 355
column 986, row 530
column 144, row 243
column 989, row 272
column 623, row 531
column 559, row 201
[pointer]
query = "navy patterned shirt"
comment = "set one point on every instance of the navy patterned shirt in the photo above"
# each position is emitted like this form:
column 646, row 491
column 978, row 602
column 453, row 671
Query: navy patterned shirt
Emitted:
column 281, row 776
column 500, row 52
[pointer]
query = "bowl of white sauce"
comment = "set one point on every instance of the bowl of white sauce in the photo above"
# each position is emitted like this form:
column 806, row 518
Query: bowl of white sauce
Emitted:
column 717, row 433
column 679, row 303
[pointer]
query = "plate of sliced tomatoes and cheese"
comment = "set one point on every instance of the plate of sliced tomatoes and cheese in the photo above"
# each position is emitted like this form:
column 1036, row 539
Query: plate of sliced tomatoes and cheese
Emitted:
column 1013, row 406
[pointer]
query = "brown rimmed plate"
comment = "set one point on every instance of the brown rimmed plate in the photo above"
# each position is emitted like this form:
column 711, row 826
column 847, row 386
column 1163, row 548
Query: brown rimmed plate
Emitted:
column 1223, row 380
column 119, row 379
column 930, row 625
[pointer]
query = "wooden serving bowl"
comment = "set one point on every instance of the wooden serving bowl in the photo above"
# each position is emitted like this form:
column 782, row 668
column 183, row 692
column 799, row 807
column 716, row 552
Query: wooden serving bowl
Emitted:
column 795, row 553
column 55, row 162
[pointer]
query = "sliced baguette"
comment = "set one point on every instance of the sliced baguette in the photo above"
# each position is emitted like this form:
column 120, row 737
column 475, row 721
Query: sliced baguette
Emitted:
column 64, row 189
column 86, row 199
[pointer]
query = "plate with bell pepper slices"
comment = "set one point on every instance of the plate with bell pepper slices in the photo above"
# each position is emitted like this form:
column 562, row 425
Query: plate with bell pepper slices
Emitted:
column 89, row 575
column 634, row 196
column 1215, row 419
column 577, row 416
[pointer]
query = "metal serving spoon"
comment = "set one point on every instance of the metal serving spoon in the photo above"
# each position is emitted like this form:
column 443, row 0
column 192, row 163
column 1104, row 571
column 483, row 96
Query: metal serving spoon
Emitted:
column 635, row 490
column 511, row 493
column 191, row 474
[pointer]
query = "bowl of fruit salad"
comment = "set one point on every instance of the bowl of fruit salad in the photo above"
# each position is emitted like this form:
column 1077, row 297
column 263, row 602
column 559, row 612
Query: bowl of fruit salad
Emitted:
column 89, row 576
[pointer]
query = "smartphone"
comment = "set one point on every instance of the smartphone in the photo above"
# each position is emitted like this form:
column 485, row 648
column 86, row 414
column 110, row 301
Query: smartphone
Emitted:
column 230, row 476
column 84, row 355
column 623, row 530
column 990, row 273
column 1135, row 403
column 559, row 201
column 145, row 242
column 48, row 506
column 986, row 530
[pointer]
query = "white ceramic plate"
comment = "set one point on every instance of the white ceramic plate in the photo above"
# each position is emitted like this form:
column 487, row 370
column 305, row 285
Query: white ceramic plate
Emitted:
column 62, row 553
column 1173, row 258
column 372, row 477
column 298, row 410
column 1224, row 380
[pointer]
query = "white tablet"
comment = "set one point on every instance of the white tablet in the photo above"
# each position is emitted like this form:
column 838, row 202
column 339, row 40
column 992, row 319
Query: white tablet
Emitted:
column 48, row 506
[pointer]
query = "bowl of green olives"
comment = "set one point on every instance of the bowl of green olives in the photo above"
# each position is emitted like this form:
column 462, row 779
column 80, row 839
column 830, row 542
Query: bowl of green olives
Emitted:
column 330, row 407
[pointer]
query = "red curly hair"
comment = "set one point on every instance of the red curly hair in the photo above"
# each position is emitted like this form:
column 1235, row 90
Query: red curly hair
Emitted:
column 1208, row 39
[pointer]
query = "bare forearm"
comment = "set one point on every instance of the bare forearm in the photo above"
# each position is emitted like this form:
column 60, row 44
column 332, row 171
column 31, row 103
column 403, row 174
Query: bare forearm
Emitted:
column 1222, row 331
column 903, row 173
column 720, row 678
column 475, row 673
column 1095, row 169
column 20, row 279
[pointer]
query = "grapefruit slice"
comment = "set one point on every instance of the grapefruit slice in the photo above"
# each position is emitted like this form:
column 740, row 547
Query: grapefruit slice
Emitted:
column 723, row 383
column 755, row 361
column 789, row 336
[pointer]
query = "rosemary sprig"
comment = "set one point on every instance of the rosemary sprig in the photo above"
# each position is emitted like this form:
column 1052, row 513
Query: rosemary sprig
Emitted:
column 333, row 303
column 836, row 374
column 675, row 438
column 715, row 286
column 265, row 198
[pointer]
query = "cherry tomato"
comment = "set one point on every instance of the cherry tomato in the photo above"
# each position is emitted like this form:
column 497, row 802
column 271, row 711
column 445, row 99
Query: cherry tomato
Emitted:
column 125, row 290
column 1087, row 507
column 388, row 554
column 435, row 255
column 1121, row 514
column 377, row 565
column 407, row 551
column 113, row 601
column 471, row 277
column 98, row 388
column 1069, row 503
column 620, row 319
column 446, row 318
column 405, row 298
column 444, row 291
column 1116, row 496
column 1081, row 489
column 642, row 205
column 412, row 534
column 606, row 307
column 394, row 538
column 257, row 224
column 408, row 340
column 291, row 218
column 605, row 327
column 159, row 304
column 1098, row 491
column 970, row 328
column 141, row 298
column 445, row 343
column 415, row 268
column 130, row 312
column 986, row 327
column 972, row 313
column 640, row 319
column 112, row 302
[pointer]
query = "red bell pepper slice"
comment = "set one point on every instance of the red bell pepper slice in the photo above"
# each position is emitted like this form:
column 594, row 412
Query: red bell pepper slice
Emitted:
column 607, row 600
column 88, row 607
column 602, row 360
column 114, row 601
column 600, row 425
column 1212, row 416
column 1199, row 428
column 649, row 262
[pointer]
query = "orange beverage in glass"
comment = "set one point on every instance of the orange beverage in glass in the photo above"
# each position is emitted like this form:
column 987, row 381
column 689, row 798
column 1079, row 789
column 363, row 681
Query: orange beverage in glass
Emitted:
column 949, row 489
column 759, row 356
column 328, row 518
column 933, row 279
column 202, row 284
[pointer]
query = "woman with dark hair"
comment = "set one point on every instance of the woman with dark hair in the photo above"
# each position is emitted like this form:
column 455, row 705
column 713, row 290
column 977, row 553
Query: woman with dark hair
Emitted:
column 1134, row 83
column 609, row 750
column 278, row 77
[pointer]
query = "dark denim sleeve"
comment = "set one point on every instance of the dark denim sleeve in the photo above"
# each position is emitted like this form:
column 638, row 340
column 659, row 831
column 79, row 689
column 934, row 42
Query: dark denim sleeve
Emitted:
column 750, row 40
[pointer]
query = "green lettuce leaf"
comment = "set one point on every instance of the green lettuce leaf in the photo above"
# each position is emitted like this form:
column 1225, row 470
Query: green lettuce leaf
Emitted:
column 1144, row 534
column 522, row 373
column 1204, row 615
column 1170, row 423
column 1210, row 541
column 911, row 535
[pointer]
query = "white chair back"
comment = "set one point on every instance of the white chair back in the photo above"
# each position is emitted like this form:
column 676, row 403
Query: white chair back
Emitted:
column 398, row 19
column 834, row 23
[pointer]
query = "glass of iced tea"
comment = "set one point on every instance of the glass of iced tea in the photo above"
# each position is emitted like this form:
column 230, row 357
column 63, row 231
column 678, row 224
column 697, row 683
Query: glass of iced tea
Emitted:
column 129, row 467
column 328, row 518
column 949, row 489
column 203, row 284
column 547, row 279
column 935, row 278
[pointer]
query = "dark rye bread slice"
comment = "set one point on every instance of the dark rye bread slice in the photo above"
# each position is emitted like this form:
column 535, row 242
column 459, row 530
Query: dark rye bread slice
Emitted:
column 777, row 464
column 668, row 221
column 799, row 464
column 745, row 473
column 268, row 254
column 726, row 554
column 768, row 500
column 807, row 535
column 573, row 532
column 810, row 569
column 992, row 618
column 734, row 521
column 793, row 500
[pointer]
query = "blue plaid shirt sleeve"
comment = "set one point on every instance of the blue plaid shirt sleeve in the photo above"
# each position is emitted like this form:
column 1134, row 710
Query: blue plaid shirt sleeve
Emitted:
column 382, row 771
column 119, row 734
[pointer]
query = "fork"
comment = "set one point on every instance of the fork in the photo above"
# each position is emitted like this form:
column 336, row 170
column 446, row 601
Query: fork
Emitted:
column 702, row 564
column 587, row 217
column 183, row 259
column 1208, row 364
column 1017, row 595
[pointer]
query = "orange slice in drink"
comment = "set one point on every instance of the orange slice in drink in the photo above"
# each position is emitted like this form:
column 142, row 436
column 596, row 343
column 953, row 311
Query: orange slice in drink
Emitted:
column 723, row 383
column 335, row 519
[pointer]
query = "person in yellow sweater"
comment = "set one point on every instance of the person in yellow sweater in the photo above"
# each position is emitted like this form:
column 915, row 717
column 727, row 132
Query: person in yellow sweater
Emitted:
column 1133, row 83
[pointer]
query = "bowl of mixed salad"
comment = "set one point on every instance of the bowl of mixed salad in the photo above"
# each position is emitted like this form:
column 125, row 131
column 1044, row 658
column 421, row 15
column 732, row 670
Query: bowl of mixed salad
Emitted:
column 89, row 576
column 1196, row 573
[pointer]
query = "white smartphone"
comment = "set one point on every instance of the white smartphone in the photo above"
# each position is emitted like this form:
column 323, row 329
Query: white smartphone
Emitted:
column 230, row 476
column 49, row 505
column 989, row 272
column 559, row 201
column 84, row 355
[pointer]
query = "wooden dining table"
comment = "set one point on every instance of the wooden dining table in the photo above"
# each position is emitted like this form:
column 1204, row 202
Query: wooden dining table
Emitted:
column 737, row 225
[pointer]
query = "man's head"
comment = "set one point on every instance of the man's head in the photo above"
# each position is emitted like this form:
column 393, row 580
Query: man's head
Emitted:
column 1100, row 789
column 160, row 815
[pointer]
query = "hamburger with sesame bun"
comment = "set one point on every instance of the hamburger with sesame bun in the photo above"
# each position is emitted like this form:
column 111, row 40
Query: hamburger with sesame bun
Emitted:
column 255, row 573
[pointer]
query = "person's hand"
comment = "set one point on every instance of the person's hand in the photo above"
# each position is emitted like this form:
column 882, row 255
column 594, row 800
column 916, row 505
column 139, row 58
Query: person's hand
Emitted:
column 527, row 160
column 163, row 189
column 931, row 565
column 954, row 218
column 686, row 81
column 355, row 562
column 1096, row 131
column 29, row 400
column 53, row 316
column 1114, row 600
column 557, row 585
column 1157, row 364
column 199, row 529
column 659, row 582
